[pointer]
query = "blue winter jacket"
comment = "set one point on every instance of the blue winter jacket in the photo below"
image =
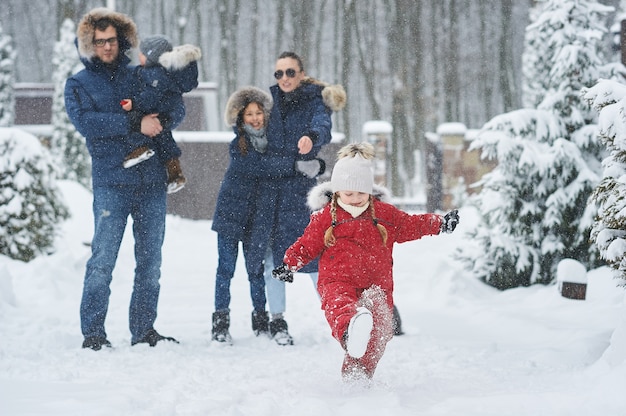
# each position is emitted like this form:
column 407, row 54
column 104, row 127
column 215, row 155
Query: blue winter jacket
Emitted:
column 161, row 90
column 301, row 112
column 237, row 210
column 282, row 208
column 92, row 101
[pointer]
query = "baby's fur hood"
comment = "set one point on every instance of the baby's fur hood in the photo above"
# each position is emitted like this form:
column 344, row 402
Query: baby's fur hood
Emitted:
column 320, row 195
column 126, row 31
column 180, row 56
column 334, row 95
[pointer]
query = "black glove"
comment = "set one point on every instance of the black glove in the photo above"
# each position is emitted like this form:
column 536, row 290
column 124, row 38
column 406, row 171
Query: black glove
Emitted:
column 283, row 273
column 165, row 121
column 134, row 120
column 450, row 221
column 311, row 168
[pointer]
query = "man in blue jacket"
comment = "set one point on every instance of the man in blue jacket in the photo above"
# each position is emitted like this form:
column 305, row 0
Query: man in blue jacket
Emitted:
column 92, row 100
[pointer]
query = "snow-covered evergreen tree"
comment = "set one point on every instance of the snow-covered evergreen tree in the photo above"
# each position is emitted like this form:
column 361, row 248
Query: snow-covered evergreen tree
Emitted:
column 534, row 205
column 31, row 205
column 7, row 80
column 609, row 230
column 67, row 145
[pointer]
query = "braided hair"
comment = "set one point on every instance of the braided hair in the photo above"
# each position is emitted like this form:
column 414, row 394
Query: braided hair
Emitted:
column 329, row 237
column 381, row 228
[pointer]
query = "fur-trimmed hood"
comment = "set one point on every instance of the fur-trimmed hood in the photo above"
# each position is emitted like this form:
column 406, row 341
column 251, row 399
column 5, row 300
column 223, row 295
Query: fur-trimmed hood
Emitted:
column 241, row 98
column 321, row 195
column 334, row 95
column 180, row 56
column 85, row 31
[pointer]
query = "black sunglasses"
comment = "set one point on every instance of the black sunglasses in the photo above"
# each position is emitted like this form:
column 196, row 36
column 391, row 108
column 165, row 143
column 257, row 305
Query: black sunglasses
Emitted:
column 290, row 73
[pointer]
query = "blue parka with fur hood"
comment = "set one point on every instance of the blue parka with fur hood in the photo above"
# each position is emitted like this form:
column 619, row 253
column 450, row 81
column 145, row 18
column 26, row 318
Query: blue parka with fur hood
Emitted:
column 236, row 208
column 92, row 101
column 306, row 111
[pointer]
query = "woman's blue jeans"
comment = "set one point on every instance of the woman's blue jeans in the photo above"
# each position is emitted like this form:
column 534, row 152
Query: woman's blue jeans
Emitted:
column 276, row 296
column 146, row 205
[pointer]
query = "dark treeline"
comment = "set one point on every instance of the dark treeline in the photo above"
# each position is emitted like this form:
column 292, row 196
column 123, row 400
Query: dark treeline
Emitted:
column 414, row 63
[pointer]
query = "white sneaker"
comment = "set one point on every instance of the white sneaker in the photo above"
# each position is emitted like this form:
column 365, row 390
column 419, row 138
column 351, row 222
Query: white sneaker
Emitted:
column 176, row 185
column 359, row 332
column 135, row 159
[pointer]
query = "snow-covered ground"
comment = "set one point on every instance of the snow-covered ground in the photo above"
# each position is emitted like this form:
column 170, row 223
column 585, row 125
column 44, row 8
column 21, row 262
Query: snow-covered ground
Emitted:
column 467, row 350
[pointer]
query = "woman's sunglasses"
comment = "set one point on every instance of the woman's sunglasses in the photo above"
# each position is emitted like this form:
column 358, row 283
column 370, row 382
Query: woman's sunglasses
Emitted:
column 290, row 73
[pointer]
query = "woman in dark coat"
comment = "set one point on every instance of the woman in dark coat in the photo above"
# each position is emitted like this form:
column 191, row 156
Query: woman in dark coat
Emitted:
column 299, row 125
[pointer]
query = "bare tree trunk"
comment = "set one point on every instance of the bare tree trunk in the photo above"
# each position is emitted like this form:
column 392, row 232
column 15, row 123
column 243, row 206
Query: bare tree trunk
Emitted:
column 228, row 13
column 506, row 73
column 368, row 65
column 417, row 91
column 348, row 16
column 280, row 25
column 302, row 28
column 399, row 71
column 336, row 41
column 160, row 23
column 451, row 83
column 437, row 16
column 199, row 39
column 484, row 80
column 318, row 35
column 182, row 12
column 254, row 30
column 68, row 9
column 195, row 12
column 336, row 53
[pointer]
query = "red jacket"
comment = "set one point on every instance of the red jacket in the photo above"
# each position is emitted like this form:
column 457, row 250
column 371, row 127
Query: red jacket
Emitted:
column 358, row 257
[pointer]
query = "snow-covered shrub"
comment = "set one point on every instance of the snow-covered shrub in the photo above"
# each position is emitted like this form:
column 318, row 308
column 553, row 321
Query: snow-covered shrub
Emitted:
column 31, row 205
column 609, row 229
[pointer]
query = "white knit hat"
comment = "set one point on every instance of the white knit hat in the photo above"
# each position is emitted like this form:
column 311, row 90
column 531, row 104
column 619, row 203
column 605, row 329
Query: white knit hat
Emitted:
column 353, row 174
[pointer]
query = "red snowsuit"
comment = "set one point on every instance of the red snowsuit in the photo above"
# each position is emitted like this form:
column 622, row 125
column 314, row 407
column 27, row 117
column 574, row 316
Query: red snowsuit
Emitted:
column 357, row 269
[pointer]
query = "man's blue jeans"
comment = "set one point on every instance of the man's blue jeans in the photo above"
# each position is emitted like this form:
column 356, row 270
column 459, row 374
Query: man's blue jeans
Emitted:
column 146, row 204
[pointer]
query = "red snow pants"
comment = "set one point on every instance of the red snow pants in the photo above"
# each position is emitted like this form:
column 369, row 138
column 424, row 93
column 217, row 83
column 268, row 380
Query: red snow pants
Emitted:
column 339, row 302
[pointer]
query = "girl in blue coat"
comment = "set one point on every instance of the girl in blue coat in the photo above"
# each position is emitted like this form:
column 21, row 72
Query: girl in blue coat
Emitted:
column 239, row 216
